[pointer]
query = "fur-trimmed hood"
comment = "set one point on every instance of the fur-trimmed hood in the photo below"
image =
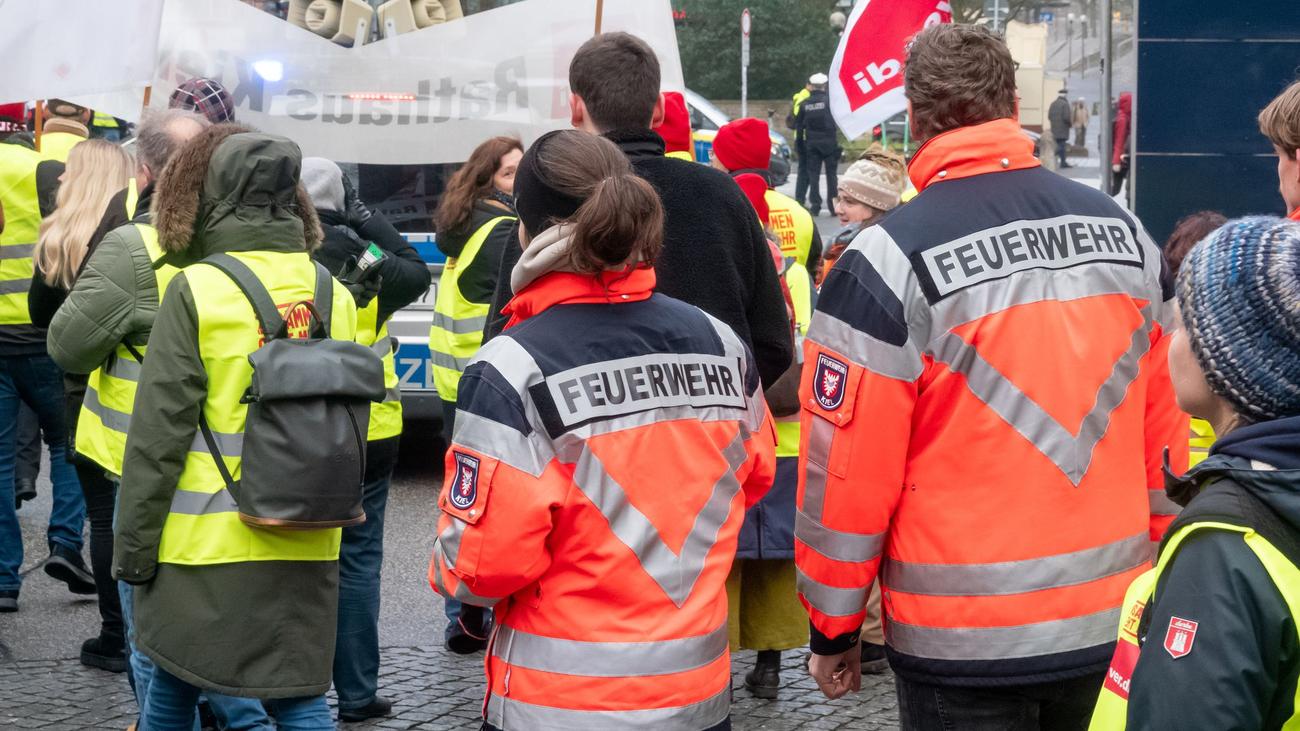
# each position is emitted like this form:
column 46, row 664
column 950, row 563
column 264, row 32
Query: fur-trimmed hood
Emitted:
column 232, row 189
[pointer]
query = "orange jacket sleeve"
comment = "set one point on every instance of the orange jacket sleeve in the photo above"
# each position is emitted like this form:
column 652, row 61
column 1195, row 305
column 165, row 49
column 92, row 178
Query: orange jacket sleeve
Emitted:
column 1166, row 428
column 859, row 387
column 761, row 467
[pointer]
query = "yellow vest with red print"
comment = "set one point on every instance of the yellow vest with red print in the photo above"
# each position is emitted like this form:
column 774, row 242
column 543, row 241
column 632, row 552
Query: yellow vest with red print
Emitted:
column 1112, row 706
column 792, row 224
column 203, row 525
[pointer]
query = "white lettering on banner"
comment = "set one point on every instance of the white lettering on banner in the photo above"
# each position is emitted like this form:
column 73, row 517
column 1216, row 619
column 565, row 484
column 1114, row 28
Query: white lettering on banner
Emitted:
column 630, row 385
column 430, row 96
column 1051, row 243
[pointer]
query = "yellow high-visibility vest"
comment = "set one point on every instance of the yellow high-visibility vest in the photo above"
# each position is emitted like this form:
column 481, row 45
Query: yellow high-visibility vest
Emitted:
column 457, row 330
column 57, row 145
column 203, row 525
column 105, row 416
column 22, row 217
column 797, row 100
column 792, row 224
column 1111, row 713
column 1200, row 440
column 385, row 416
column 799, row 281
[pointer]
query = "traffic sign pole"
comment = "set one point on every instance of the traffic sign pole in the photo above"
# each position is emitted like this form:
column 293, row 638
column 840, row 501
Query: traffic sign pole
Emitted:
column 745, row 23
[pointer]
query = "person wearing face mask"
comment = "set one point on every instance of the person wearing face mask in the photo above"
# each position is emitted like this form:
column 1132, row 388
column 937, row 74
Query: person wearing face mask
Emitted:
column 607, row 445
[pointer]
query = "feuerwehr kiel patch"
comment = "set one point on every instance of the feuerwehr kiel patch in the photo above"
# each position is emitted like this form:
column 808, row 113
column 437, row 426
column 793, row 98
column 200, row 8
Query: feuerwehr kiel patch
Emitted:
column 465, row 491
column 829, row 382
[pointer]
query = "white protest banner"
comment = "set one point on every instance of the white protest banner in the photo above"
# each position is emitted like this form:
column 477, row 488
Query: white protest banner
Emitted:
column 429, row 96
column 867, row 74
column 70, row 48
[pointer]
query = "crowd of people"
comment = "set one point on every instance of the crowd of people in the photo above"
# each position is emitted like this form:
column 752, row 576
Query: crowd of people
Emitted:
column 949, row 441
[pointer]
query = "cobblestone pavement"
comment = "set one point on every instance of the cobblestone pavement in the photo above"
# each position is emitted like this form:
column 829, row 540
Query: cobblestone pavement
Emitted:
column 431, row 689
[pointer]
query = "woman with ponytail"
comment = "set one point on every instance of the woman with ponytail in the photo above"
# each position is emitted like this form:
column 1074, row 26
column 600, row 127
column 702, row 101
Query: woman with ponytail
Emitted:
column 607, row 444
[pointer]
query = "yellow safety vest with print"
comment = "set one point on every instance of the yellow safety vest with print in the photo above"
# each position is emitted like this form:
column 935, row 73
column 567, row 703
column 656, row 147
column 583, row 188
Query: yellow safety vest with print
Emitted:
column 800, row 284
column 1201, row 439
column 1111, row 713
column 22, row 225
column 203, row 525
column 792, row 224
column 385, row 416
column 457, row 330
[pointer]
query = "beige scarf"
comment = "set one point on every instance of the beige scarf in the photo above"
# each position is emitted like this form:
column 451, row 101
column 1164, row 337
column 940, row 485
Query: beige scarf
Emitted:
column 547, row 252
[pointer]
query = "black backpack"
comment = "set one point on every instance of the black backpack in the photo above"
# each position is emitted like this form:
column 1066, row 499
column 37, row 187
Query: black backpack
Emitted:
column 304, row 453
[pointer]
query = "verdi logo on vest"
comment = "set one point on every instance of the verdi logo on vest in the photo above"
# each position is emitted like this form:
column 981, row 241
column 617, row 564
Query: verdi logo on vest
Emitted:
column 297, row 320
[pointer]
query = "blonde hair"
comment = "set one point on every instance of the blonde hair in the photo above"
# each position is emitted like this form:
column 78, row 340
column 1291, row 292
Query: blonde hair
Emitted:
column 96, row 171
column 1280, row 120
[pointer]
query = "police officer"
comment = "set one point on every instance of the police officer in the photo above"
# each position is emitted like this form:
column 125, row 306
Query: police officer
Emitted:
column 821, row 141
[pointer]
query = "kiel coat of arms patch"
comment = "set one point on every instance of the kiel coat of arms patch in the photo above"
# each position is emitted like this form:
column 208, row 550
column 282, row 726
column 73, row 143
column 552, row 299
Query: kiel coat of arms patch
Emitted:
column 464, row 491
column 829, row 382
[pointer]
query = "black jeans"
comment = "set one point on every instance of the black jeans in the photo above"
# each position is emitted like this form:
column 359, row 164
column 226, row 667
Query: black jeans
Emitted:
column 1063, row 705
column 823, row 154
column 101, row 497
column 801, row 172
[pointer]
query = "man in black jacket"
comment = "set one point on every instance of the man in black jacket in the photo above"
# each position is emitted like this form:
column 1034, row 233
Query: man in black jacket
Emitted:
column 821, row 143
column 715, row 255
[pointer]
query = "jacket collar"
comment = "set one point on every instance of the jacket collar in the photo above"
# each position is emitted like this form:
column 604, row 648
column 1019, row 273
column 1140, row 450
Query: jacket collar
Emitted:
column 991, row 147
column 1295, row 215
column 637, row 142
column 65, row 125
column 566, row 288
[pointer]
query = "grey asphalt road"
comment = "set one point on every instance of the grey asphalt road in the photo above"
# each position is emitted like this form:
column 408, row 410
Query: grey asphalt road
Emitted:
column 52, row 623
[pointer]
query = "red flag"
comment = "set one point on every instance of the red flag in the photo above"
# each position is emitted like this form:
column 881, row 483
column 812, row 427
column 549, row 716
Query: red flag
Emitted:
column 866, row 79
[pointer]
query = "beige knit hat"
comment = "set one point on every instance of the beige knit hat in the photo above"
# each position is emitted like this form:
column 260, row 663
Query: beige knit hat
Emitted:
column 876, row 179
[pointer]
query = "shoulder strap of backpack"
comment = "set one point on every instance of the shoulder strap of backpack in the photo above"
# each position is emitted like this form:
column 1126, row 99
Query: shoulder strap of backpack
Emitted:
column 268, row 315
column 324, row 297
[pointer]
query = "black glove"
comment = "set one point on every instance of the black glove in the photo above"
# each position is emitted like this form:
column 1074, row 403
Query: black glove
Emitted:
column 365, row 290
column 355, row 209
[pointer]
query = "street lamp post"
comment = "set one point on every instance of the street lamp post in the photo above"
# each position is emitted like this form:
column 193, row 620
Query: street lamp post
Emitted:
column 1083, row 42
column 1069, row 44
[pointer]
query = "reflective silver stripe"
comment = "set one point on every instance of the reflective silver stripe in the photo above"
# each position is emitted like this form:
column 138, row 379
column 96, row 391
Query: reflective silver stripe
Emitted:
column 462, row 593
column 892, row 361
column 449, row 541
column 448, row 361
column 1039, row 285
column 530, row 453
column 188, row 502
column 1018, row 577
column 569, row 444
column 459, row 326
column 820, row 437
column 830, row 600
column 231, row 445
column 675, row 573
column 1161, row 504
column 112, row 419
column 510, row 713
column 996, row 643
column 383, row 346
column 126, row 369
column 834, row 544
column 610, row 659
column 1069, row 453
column 17, row 251
column 392, row 394
column 15, row 286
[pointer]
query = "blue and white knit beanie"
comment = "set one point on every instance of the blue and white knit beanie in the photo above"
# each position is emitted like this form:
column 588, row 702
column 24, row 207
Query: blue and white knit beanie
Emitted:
column 1239, row 291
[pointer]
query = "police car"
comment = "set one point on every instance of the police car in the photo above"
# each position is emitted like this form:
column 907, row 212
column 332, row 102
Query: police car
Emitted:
column 707, row 119
column 410, row 326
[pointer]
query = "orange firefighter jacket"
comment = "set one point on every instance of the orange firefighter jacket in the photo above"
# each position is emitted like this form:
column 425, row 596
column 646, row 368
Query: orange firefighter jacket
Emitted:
column 606, row 448
column 985, row 403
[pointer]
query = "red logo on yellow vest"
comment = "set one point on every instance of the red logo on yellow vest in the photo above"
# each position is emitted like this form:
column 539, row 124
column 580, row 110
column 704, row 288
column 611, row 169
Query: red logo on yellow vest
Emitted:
column 1179, row 638
column 296, row 316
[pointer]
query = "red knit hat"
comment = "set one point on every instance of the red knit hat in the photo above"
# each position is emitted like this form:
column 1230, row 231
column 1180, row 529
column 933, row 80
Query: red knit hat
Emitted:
column 743, row 144
column 755, row 188
column 676, row 127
